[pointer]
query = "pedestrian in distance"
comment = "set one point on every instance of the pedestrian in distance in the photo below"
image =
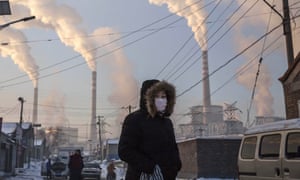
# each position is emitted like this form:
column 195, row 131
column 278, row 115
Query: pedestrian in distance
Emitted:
column 147, row 141
column 75, row 165
column 48, row 168
column 111, row 175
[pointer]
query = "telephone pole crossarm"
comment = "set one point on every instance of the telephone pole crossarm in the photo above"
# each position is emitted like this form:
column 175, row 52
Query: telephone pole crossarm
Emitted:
column 286, row 29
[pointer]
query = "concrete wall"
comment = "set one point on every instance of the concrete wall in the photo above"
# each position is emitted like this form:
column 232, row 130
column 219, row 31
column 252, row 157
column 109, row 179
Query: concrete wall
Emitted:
column 209, row 157
column 188, row 154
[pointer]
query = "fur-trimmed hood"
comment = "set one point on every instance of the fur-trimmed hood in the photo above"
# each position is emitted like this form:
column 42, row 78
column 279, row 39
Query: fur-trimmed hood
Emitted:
column 171, row 95
column 145, row 86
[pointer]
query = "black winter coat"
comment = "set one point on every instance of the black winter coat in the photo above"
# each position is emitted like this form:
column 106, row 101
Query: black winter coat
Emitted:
column 147, row 140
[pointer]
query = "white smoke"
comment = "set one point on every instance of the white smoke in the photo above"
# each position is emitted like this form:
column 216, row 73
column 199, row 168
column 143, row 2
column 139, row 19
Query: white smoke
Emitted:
column 123, row 83
column 64, row 20
column 263, row 99
column 192, row 12
column 20, row 54
column 54, row 110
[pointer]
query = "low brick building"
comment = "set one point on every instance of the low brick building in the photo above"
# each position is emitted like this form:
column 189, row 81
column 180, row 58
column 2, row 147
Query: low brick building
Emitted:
column 291, row 87
column 209, row 157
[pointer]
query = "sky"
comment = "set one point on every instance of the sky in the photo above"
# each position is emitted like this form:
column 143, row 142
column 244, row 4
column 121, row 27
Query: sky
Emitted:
column 129, row 42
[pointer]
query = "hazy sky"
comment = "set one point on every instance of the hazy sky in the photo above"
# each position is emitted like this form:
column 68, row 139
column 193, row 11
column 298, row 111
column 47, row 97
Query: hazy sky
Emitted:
column 129, row 42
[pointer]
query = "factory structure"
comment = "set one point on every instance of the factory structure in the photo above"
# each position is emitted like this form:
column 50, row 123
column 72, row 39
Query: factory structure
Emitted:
column 215, row 120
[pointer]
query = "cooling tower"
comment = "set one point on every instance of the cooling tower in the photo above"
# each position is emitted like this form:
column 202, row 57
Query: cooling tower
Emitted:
column 35, row 105
column 93, row 127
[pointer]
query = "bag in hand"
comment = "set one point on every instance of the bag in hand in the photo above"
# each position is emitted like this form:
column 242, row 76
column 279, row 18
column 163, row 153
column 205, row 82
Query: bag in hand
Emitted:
column 156, row 175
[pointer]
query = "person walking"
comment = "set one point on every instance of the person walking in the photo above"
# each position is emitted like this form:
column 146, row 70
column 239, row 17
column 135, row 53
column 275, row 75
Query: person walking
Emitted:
column 75, row 165
column 48, row 167
column 111, row 175
column 147, row 141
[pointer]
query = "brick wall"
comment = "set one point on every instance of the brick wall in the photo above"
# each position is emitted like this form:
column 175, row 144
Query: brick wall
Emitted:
column 292, row 98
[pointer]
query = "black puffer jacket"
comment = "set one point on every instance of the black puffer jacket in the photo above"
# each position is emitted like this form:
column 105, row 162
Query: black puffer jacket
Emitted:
column 148, row 138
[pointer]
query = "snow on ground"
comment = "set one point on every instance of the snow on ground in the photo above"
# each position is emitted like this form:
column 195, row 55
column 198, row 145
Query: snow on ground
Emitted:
column 33, row 173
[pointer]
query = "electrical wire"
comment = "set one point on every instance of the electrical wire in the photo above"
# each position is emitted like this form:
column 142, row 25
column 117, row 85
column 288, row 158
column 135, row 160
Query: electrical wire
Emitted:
column 111, row 42
column 258, row 71
column 190, row 37
column 246, row 67
column 229, row 61
column 223, row 35
column 182, row 65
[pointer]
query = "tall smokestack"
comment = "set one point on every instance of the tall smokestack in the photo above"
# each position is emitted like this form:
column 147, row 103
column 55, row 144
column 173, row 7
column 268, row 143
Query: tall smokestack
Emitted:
column 205, row 74
column 35, row 105
column 206, row 88
column 93, row 128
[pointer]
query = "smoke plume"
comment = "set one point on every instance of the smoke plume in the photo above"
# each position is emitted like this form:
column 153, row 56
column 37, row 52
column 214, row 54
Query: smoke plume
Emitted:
column 20, row 54
column 123, row 83
column 54, row 109
column 192, row 13
column 64, row 20
column 263, row 99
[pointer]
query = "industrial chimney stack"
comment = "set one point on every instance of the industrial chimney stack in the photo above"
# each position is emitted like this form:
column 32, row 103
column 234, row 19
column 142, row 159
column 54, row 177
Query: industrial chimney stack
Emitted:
column 93, row 127
column 206, row 88
column 35, row 105
column 205, row 74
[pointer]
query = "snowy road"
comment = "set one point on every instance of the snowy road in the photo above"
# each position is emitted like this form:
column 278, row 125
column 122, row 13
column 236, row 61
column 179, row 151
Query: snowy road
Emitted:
column 31, row 173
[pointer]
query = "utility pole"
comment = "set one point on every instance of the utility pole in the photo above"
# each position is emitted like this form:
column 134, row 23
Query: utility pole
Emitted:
column 100, row 136
column 129, row 107
column 287, row 32
column 21, row 112
column 286, row 29
column 19, row 132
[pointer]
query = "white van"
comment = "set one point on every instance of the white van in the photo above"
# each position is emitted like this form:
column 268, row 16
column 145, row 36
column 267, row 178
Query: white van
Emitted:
column 271, row 151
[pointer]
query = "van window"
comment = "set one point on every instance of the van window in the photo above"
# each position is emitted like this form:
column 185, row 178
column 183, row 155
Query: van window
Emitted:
column 270, row 146
column 248, row 148
column 293, row 146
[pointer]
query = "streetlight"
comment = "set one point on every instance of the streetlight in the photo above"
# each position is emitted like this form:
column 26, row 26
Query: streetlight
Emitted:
column 16, row 21
column 5, row 8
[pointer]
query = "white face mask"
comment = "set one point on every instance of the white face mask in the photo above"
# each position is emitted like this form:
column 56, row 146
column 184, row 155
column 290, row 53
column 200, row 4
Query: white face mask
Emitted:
column 160, row 104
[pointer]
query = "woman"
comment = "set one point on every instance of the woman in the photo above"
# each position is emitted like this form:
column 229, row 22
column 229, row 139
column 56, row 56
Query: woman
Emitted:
column 147, row 140
column 75, row 165
column 111, row 175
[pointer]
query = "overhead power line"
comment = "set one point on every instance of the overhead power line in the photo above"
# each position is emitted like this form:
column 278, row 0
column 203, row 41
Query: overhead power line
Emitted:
column 189, row 38
column 110, row 52
column 208, row 39
column 230, row 60
column 246, row 67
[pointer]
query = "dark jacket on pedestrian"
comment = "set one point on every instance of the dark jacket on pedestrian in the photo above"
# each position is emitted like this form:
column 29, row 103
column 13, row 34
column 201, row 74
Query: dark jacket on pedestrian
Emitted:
column 147, row 138
column 75, row 166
